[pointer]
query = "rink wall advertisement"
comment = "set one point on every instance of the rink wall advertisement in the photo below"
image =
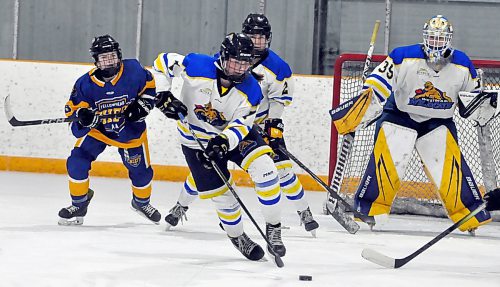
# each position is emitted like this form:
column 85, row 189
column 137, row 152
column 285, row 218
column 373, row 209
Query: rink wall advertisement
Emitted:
column 39, row 90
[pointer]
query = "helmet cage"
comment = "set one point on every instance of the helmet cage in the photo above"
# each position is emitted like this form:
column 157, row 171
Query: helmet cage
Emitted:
column 437, row 36
column 236, row 56
column 107, row 55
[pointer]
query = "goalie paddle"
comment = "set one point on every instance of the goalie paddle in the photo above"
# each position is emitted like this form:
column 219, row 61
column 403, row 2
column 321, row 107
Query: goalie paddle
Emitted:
column 331, row 205
column 389, row 262
column 340, row 215
column 277, row 259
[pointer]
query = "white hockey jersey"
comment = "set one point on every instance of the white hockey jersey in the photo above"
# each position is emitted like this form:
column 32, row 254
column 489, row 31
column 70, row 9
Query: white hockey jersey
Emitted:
column 277, row 86
column 409, row 85
column 212, row 109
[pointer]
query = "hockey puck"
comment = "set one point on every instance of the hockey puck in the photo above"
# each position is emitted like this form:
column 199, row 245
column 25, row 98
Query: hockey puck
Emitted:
column 305, row 278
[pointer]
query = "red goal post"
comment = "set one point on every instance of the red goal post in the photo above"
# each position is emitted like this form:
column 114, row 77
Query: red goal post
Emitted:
column 481, row 148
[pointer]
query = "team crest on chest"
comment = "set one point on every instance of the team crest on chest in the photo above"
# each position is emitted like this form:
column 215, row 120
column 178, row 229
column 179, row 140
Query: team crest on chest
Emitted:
column 111, row 110
column 210, row 115
column 431, row 97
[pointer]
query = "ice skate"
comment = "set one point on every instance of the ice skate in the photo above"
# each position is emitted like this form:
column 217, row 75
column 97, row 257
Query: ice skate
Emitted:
column 73, row 215
column 308, row 221
column 147, row 211
column 178, row 212
column 247, row 247
column 273, row 234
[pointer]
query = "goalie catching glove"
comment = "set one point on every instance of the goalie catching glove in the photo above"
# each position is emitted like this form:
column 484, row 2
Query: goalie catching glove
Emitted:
column 170, row 106
column 356, row 113
column 274, row 132
column 480, row 107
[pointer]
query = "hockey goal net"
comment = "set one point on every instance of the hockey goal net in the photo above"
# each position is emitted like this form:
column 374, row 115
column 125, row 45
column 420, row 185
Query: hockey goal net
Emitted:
column 480, row 146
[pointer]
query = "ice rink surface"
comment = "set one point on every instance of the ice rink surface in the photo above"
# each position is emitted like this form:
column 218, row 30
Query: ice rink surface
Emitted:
column 117, row 247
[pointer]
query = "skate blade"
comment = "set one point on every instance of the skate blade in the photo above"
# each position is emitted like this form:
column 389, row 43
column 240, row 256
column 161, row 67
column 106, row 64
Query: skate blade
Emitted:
column 168, row 227
column 313, row 233
column 142, row 214
column 72, row 221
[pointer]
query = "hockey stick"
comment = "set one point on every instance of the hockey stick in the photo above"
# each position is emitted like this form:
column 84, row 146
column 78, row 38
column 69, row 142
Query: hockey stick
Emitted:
column 345, row 220
column 13, row 121
column 277, row 258
column 19, row 123
column 347, row 141
column 389, row 262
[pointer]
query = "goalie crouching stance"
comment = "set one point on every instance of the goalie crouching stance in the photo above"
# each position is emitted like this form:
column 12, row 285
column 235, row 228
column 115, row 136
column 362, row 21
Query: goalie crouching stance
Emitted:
column 415, row 89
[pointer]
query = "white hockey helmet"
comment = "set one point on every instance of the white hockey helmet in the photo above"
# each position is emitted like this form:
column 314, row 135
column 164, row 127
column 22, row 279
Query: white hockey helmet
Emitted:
column 437, row 34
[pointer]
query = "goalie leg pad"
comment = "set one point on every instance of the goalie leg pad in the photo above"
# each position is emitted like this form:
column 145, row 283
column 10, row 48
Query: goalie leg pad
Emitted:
column 356, row 112
column 388, row 162
column 447, row 169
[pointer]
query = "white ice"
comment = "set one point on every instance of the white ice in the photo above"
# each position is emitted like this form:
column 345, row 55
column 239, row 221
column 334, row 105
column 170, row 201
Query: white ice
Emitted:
column 116, row 247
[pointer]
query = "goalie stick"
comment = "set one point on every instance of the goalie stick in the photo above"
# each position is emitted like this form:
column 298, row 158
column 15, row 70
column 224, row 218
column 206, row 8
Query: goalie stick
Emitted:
column 331, row 205
column 338, row 213
column 389, row 262
column 277, row 259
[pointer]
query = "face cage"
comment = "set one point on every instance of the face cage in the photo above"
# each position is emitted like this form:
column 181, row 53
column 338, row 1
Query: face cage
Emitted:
column 436, row 43
column 261, row 43
column 236, row 69
column 107, row 61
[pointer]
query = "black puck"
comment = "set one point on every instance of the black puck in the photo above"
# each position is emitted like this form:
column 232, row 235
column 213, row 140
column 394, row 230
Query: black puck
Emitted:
column 305, row 278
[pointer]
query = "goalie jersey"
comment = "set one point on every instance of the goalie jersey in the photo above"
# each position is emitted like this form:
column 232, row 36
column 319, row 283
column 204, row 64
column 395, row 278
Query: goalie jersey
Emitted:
column 212, row 109
column 109, row 100
column 425, row 93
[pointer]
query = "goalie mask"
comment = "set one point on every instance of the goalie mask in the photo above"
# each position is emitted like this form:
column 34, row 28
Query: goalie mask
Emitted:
column 437, row 34
column 236, row 56
column 257, row 27
column 107, row 55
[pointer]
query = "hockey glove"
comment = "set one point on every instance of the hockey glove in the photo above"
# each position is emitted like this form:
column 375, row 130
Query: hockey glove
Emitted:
column 87, row 117
column 274, row 132
column 205, row 162
column 138, row 110
column 170, row 106
column 217, row 147
column 493, row 200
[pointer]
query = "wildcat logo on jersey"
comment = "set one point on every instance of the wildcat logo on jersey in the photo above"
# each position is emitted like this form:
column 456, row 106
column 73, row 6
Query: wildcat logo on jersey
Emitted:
column 245, row 146
column 109, row 107
column 210, row 115
column 431, row 97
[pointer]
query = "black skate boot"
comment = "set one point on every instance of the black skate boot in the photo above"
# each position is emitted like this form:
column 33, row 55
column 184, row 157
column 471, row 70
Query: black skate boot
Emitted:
column 147, row 211
column 308, row 221
column 73, row 215
column 178, row 212
column 247, row 247
column 273, row 234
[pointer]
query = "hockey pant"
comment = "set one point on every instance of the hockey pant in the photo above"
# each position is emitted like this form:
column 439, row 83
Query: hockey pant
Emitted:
column 289, row 183
column 255, row 160
column 135, row 159
column 436, row 143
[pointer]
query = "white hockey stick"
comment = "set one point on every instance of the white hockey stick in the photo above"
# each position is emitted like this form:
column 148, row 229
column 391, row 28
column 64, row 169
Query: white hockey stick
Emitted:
column 389, row 262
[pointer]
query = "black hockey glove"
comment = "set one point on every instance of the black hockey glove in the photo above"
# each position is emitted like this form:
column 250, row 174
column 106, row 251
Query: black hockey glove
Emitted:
column 274, row 132
column 87, row 117
column 205, row 162
column 170, row 106
column 493, row 200
column 138, row 110
column 217, row 148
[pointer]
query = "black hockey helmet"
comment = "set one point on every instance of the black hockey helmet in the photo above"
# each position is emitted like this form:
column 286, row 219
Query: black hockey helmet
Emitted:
column 237, row 46
column 258, row 24
column 105, row 44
